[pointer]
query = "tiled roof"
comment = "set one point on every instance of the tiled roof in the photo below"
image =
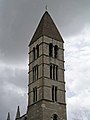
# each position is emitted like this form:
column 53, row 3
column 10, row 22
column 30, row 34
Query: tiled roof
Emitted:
column 47, row 28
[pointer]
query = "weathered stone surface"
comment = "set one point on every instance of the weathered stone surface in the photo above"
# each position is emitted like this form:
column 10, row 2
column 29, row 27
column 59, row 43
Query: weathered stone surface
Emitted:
column 44, row 108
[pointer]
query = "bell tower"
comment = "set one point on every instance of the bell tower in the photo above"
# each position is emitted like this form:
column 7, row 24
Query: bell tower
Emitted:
column 46, row 88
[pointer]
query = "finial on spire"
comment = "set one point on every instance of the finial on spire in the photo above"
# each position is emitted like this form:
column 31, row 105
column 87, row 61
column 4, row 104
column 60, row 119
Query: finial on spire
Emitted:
column 46, row 8
column 18, row 113
column 8, row 116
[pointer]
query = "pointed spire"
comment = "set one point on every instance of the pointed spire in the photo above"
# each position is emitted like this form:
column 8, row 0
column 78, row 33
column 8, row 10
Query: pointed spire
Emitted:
column 46, row 7
column 18, row 113
column 8, row 116
column 47, row 28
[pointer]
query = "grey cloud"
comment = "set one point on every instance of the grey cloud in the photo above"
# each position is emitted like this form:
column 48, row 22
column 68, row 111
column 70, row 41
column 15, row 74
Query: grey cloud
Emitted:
column 19, row 20
column 13, row 84
column 9, row 101
column 18, row 77
column 75, row 14
column 77, row 57
column 79, row 114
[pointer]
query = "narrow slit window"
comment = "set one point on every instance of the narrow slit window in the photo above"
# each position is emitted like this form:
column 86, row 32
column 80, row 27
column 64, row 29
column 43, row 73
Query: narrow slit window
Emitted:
column 35, row 94
column 37, row 47
column 50, row 49
column 34, row 53
column 35, row 72
column 56, row 72
column 56, row 51
column 51, row 71
column 53, row 93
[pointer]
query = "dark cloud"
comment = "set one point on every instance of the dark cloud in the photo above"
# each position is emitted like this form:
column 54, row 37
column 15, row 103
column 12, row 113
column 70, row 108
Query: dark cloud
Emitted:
column 19, row 20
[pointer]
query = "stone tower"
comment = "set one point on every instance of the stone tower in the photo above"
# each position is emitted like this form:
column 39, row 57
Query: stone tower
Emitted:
column 46, row 88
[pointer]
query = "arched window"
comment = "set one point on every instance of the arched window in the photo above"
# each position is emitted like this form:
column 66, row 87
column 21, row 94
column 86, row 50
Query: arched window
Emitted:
column 50, row 49
column 37, row 47
column 34, row 53
column 35, row 72
column 55, row 117
column 25, row 118
column 34, row 94
column 56, row 51
column 53, row 71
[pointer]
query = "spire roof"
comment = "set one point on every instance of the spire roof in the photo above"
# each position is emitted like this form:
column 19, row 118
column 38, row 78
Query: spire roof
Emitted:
column 8, row 116
column 18, row 113
column 47, row 28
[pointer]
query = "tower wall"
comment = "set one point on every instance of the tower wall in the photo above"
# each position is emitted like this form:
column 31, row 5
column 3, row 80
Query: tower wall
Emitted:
column 44, row 108
column 46, row 88
column 33, row 63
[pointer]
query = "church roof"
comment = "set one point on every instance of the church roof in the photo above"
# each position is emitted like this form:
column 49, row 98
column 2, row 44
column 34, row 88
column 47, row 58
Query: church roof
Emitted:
column 47, row 28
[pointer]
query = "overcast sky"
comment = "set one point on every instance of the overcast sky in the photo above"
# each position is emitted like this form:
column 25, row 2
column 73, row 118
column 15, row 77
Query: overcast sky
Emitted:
column 18, row 21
